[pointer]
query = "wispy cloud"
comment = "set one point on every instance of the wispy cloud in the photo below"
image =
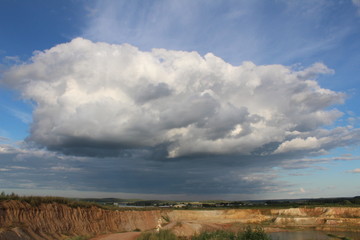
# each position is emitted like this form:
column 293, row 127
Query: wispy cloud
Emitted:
column 298, row 193
column 356, row 170
column 285, row 35
column 4, row 139
column 65, row 169
column 12, row 59
column 357, row 4
column 21, row 115
column 312, row 162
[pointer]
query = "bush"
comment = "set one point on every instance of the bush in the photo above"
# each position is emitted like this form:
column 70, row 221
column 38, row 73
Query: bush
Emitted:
column 257, row 234
column 216, row 235
column 248, row 234
column 162, row 235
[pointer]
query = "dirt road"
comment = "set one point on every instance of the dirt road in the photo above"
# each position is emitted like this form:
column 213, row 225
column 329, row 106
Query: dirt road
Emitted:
column 118, row 236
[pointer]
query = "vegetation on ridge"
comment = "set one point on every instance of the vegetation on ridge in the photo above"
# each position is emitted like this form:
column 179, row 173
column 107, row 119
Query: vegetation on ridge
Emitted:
column 37, row 201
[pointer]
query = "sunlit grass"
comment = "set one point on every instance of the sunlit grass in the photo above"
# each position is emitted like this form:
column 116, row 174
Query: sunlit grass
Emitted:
column 248, row 233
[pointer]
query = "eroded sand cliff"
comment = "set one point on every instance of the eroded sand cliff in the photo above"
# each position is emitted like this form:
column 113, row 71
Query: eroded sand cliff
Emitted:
column 19, row 220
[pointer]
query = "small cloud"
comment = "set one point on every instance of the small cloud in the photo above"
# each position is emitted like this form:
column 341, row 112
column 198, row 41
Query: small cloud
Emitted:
column 297, row 144
column 346, row 155
column 314, row 70
column 4, row 139
column 298, row 174
column 301, row 191
column 5, row 149
column 236, row 13
column 29, row 185
column 12, row 59
column 353, row 121
column 311, row 162
column 91, row 11
column 356, row 170
column 65, row 169
column 20, row 168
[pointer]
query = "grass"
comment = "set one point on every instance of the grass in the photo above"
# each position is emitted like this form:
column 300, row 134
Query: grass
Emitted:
column 247, row 234
column 216, row 235
column 339, row 237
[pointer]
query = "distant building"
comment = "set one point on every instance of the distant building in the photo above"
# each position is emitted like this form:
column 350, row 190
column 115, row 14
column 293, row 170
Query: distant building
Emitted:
column 179, row 205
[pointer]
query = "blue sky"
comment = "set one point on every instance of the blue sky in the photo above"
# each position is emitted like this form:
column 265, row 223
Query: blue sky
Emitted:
column 180, row 99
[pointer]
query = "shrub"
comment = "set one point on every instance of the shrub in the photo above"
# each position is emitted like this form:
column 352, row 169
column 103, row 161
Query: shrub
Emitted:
column 216, row 235
column 248, row 234
column 166, row 218
column 162, row 235
column 254, row 234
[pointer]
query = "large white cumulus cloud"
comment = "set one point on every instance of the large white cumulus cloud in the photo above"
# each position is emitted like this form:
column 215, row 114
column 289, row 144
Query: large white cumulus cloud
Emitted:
column 118, row 97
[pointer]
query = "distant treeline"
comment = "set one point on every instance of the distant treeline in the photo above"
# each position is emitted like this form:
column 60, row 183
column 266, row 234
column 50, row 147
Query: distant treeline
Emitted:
column 316, row 202
column 115, row 203
column 355, row 201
